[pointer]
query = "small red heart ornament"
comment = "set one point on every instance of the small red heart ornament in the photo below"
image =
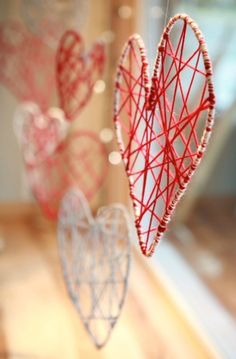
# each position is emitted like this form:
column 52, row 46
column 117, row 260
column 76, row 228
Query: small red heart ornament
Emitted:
column 80, row 160
column 26, row 65
column 77, row 72
column 163, row 124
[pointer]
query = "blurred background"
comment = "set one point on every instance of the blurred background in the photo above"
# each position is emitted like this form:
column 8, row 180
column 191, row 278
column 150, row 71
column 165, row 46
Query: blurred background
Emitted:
column 181, row 303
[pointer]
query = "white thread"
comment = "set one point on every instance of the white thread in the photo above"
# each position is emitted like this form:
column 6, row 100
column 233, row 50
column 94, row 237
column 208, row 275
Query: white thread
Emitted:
column 166, row 12
column 95, row 256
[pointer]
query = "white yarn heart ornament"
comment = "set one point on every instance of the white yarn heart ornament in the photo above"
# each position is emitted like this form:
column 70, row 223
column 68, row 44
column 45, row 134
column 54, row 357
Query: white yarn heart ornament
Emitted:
column 95, row 256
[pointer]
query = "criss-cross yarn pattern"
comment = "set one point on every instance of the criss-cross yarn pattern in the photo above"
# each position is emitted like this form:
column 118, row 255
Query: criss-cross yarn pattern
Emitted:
column 26, row 64
column 77, row 72
column 54, row 159
column 95, row 256
column 163, row 125
column 80, row 159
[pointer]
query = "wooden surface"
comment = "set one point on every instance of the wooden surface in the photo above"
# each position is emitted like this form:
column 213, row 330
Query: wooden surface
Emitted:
column 38, row 320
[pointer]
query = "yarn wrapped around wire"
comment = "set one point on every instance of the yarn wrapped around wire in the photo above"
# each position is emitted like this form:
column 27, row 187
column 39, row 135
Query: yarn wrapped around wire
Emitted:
column 95, row 257
column 163, row 124
column 77, row 71
column 56, row 159
column 26, row 65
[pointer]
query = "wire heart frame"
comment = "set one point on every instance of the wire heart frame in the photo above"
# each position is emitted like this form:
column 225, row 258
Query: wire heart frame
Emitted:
column 163, row 124
column 56, row 159
column 77, row 72
column 23, row 56
column 81, row 159
column 95, row 257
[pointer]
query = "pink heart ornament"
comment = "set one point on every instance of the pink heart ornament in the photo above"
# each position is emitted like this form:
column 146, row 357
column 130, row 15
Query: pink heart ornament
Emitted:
column 77, row 71
column 23, row 57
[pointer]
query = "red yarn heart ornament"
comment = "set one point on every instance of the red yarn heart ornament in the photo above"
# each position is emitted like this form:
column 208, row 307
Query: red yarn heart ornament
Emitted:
column 80, row 160
column 163, row 124
column 26, row 65
column 77, row 72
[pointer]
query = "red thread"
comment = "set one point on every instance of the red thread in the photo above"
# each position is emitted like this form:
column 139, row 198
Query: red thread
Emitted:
column 80, row 160
column 77, row 72
column 163, row 126
column 26, row 65
column 54, row 161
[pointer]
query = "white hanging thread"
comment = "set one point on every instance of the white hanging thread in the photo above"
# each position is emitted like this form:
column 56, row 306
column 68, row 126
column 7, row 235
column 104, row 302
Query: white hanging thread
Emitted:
column 166, row 13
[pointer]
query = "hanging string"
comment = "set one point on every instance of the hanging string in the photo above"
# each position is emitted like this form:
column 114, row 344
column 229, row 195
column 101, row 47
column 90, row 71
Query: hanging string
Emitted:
column 166, row 12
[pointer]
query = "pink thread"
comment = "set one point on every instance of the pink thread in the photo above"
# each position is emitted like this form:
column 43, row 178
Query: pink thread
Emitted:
column 79, row 160
column 77, row 72
column 26, row 65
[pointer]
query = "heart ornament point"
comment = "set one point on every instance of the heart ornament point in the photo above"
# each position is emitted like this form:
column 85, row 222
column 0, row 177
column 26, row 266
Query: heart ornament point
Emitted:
column 95, row 257
column 163, row 124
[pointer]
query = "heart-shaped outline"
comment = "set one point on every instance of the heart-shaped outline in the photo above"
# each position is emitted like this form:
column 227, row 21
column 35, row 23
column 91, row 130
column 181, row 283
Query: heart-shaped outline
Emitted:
column 150, row 99
column 21, row 62
column 59, row 167
column 77, row 69
column 75, row 211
